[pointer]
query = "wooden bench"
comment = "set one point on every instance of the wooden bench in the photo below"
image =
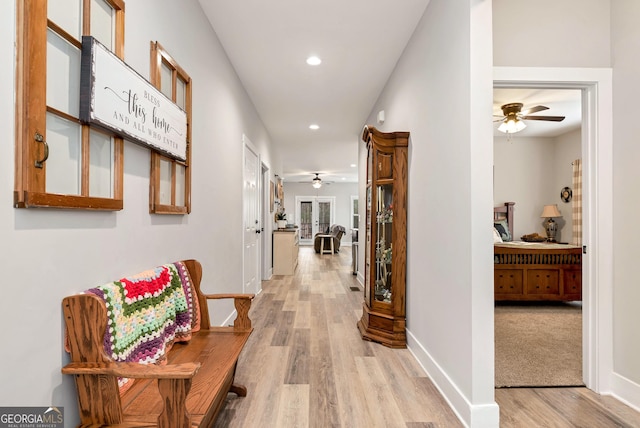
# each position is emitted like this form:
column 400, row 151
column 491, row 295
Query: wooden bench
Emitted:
column 187, row 390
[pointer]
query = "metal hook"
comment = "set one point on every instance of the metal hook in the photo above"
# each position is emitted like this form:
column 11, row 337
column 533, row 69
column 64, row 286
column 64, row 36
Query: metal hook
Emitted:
column 40, row 139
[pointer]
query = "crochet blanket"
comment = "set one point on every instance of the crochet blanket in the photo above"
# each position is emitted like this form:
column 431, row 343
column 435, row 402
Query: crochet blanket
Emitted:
column 147, row 313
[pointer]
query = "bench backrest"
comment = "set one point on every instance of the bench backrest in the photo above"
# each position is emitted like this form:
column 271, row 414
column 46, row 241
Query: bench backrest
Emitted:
column 137, row 318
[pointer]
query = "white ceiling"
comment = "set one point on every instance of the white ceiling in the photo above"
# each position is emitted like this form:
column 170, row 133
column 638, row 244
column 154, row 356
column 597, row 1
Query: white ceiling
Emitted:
column 359, row 42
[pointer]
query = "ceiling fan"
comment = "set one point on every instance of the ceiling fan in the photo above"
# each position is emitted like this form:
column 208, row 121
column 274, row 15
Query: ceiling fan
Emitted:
column 513, row 116
column 317, row 182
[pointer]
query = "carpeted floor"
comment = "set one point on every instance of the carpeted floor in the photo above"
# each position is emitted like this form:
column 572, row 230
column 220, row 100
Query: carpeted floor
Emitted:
column 538, row 344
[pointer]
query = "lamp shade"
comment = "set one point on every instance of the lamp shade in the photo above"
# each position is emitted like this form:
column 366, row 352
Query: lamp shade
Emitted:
column 550, row 211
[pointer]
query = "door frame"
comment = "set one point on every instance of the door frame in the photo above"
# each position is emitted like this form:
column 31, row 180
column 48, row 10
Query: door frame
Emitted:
column 267, row 225
column 247, row 145
column 596, row 85
column 315, row 200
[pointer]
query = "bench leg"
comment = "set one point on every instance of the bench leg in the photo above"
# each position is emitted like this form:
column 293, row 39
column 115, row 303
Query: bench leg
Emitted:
column 174, row 395
column 240, row 390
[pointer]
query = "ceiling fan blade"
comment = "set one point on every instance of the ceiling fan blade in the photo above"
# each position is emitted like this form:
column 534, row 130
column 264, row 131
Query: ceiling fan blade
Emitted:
column 549, row 118
column 535, row 109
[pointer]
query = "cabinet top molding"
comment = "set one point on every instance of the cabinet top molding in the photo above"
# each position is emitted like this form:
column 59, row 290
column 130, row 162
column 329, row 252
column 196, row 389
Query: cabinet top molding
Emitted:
column 398, row 138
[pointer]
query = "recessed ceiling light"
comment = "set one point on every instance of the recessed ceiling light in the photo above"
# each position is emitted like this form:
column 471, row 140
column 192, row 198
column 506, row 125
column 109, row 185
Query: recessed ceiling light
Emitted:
column 313, row 60
column 344, row 178
column 353, row 165
column 314, row 126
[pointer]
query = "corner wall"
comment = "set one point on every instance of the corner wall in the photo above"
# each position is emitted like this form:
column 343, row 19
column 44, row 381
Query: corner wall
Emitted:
column 441, row 92
column 625, row 38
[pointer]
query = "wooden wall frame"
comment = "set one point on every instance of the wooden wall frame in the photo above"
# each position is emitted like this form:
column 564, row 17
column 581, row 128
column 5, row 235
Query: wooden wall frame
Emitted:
column 30, row 184
column 272, row 195
column 160, row 57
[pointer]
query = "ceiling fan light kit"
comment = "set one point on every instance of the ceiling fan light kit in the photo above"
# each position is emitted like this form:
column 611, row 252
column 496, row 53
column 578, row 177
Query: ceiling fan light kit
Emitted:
column 513, row 117
column 511, row 126
column 317, row 182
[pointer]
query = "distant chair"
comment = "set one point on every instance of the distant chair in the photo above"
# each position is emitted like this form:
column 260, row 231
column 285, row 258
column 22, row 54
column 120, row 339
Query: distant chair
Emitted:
column 336, row 231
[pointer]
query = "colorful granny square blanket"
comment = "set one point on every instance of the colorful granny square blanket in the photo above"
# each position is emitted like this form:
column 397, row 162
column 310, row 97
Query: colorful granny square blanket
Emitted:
column 147, row 313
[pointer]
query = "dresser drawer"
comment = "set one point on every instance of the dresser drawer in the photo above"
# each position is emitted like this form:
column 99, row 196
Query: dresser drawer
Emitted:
column 573, row 282
column 507, row 281
column 543, row 281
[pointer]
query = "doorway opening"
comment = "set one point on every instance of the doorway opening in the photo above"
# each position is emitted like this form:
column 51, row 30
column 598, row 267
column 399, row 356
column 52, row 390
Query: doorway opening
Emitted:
column 314, row 214
column 538, row 316
column 596, row 149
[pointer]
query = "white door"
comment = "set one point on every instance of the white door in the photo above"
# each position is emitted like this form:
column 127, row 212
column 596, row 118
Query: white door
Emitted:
column 251, row 223
column 313, row 214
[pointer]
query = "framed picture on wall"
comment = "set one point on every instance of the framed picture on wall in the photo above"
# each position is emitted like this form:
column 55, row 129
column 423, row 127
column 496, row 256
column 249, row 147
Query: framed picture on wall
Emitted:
column 280, row 190
column 272, row 195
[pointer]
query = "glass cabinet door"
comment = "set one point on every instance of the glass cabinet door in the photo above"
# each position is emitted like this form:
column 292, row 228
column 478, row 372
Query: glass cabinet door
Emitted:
column 367, row 249
column 383, row 247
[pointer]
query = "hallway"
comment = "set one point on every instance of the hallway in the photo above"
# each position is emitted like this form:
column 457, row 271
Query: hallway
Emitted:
column 305, row 365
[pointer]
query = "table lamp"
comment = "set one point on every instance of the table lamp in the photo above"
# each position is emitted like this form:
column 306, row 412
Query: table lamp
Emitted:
column 550, row 212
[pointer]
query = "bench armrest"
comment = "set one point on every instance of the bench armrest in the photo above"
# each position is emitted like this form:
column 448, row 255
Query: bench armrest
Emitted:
column 134, row 370
column 242, row 303
column 230, row 296
column 174, row 383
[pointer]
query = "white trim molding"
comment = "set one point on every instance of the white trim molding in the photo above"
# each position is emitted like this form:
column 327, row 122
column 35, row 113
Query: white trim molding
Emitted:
column 597, row 150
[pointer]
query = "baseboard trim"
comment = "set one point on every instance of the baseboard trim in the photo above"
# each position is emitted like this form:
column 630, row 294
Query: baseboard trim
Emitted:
column 626, row 391
column 485, row 415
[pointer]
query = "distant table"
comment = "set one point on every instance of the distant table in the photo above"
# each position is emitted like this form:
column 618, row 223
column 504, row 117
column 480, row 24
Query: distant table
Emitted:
column 324, row 237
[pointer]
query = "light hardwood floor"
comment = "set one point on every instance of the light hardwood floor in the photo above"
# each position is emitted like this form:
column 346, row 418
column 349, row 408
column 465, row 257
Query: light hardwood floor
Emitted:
column 305, row 365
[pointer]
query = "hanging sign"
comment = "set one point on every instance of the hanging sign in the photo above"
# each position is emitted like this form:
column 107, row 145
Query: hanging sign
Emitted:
column 115, row 97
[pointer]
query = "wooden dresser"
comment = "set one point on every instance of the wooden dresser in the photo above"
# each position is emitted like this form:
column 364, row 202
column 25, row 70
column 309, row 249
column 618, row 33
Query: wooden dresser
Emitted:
column 285, row 251
column 532, row 273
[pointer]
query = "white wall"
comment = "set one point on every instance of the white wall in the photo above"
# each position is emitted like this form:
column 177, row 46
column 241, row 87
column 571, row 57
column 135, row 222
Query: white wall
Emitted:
column 48, row 254
column 531, row 172
column 441, row 92
column 626, row 203
column 550, row 33
column 342, row 193
column 524, row 175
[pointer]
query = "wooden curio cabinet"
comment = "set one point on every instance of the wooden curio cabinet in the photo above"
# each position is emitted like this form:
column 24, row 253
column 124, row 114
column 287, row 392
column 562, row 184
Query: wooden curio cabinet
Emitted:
column 383, row 315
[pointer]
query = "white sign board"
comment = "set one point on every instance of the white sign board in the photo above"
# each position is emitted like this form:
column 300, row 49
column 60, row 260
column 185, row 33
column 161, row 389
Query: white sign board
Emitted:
column 116, row 97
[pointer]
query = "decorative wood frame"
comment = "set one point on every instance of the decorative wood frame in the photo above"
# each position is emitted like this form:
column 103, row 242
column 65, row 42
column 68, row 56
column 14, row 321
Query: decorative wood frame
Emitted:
column 158, row 57
column 30, row 188
column 280, row 191
column 271, row 195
